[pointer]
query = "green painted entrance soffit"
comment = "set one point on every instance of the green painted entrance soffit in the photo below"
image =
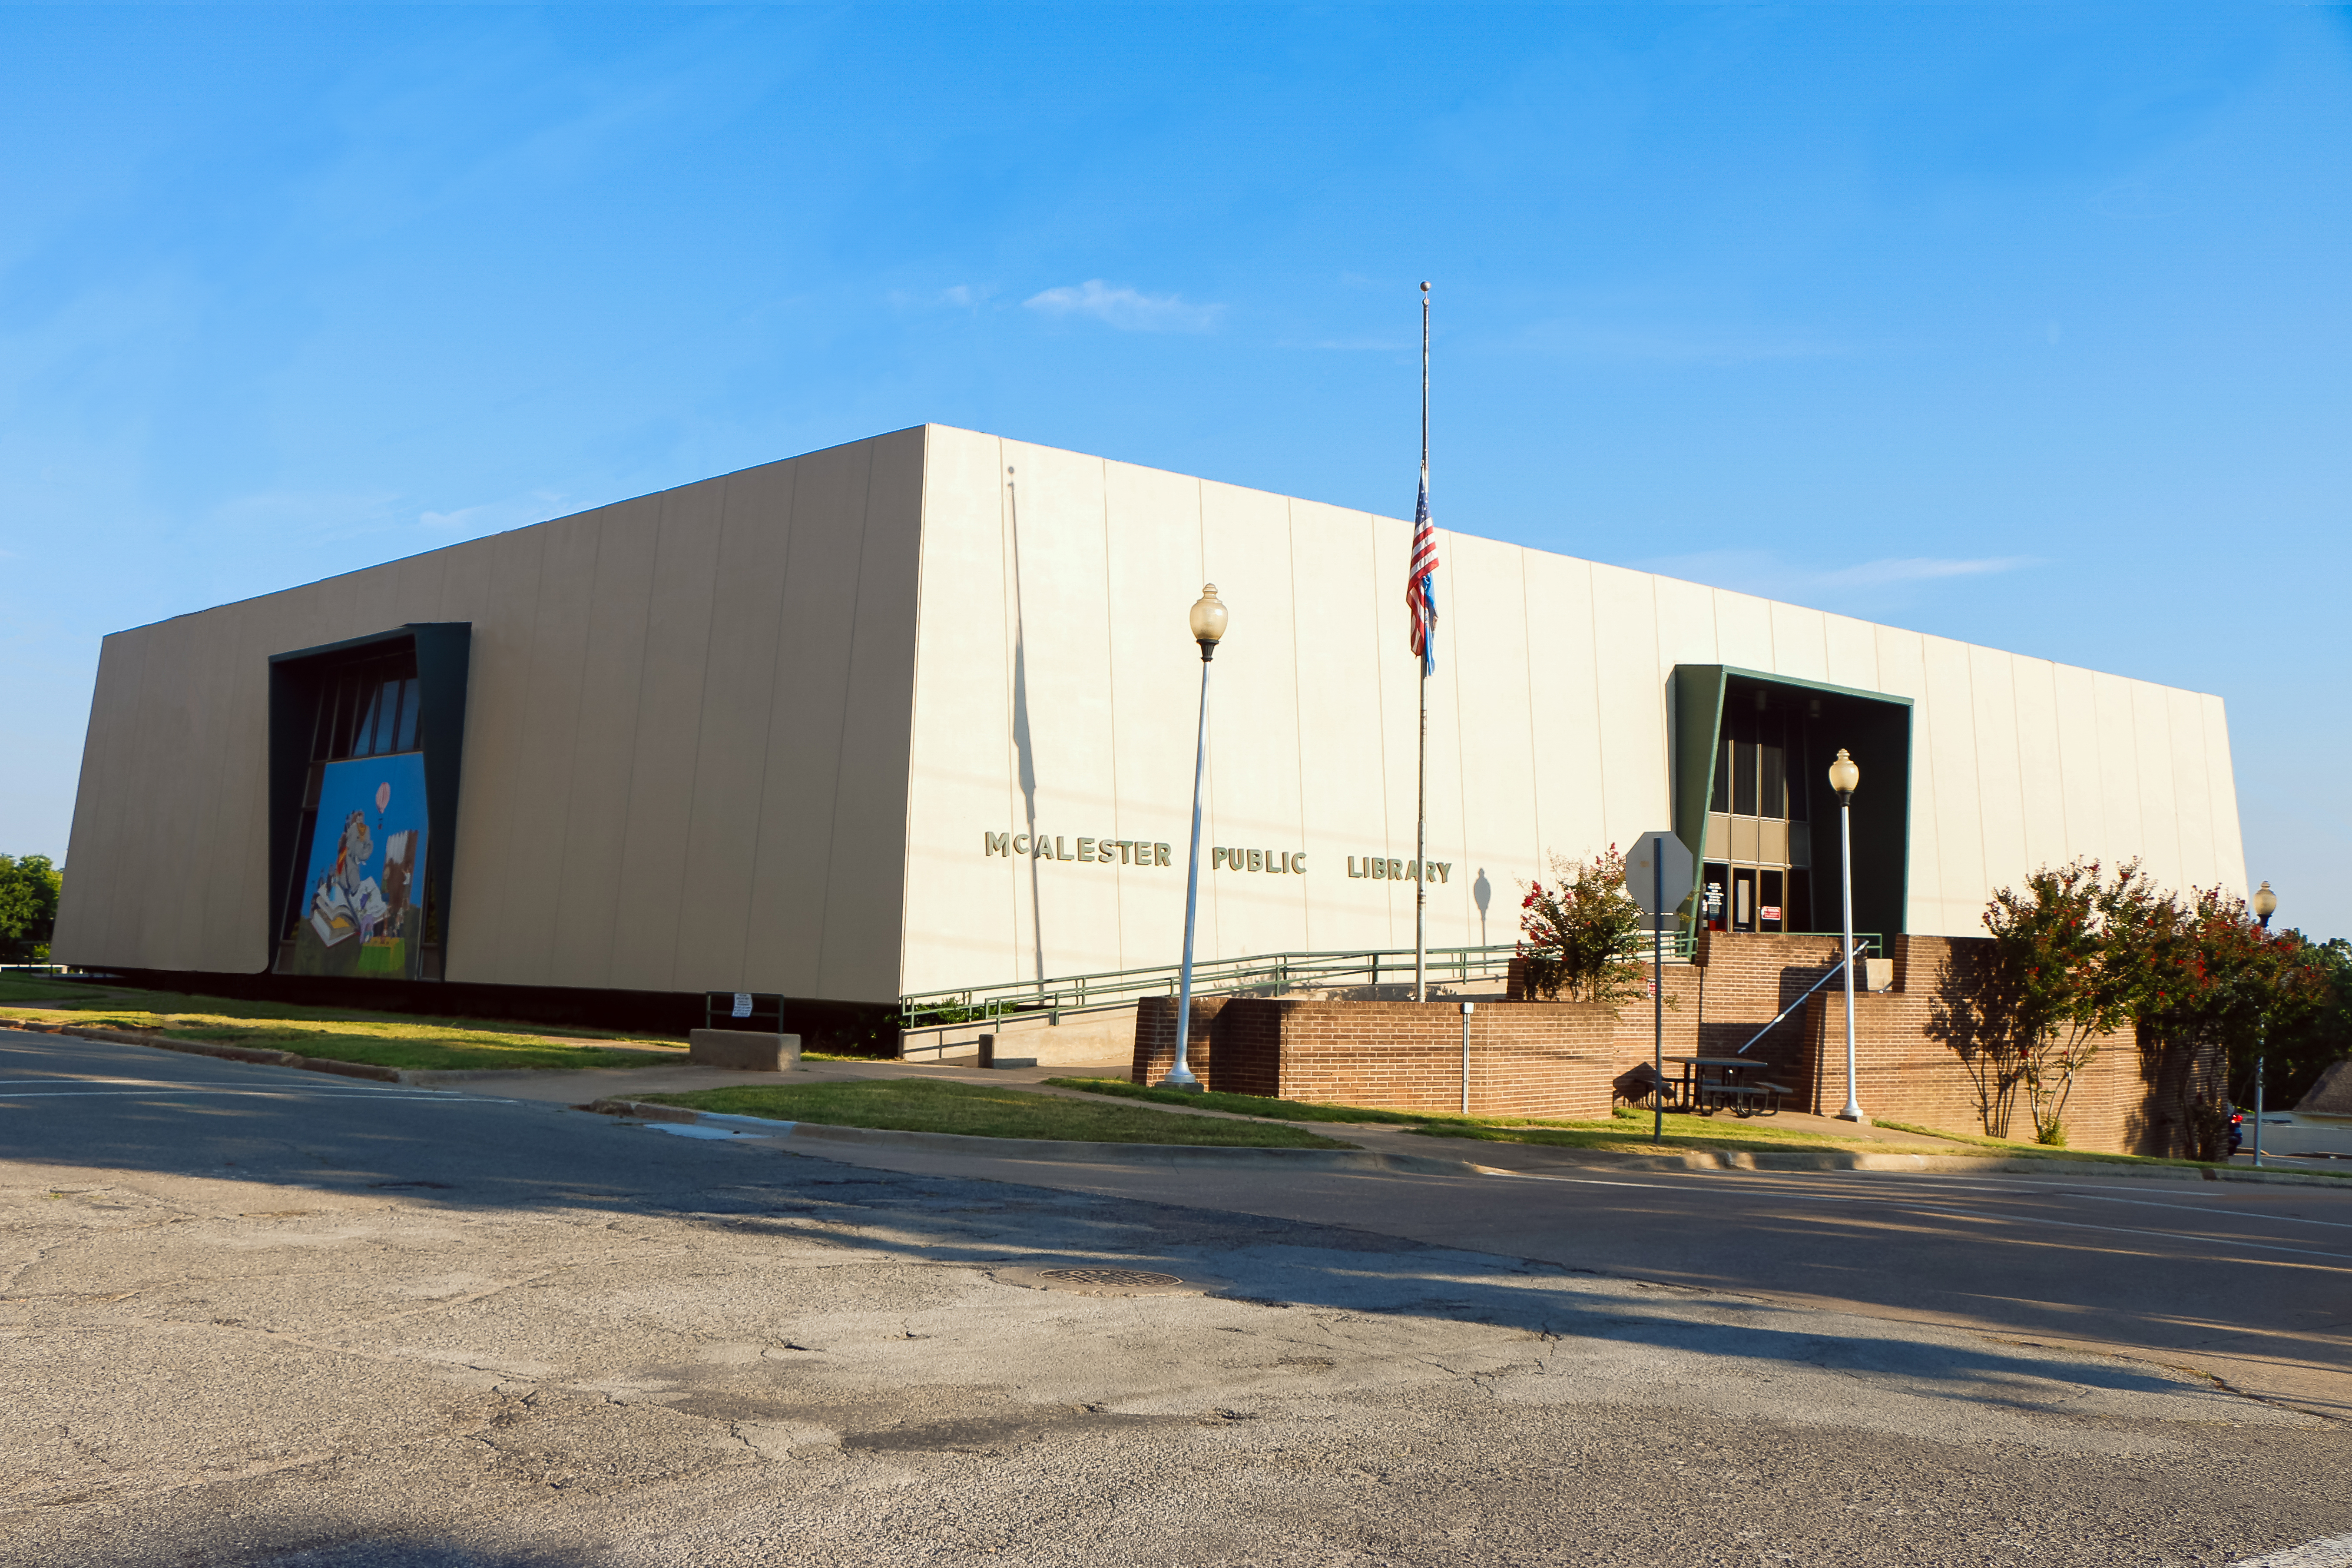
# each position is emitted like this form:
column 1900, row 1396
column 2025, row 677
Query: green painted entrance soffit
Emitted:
column 1875, row 727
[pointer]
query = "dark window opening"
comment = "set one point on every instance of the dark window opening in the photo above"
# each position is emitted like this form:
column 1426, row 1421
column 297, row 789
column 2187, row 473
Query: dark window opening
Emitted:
column 366, row 706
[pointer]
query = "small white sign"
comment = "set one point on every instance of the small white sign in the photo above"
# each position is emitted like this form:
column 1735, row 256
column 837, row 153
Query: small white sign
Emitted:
column 742, row 1004
column 1771, row 911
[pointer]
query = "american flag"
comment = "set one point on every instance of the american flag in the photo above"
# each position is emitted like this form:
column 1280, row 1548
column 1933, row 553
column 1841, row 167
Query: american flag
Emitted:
column 1421, row 589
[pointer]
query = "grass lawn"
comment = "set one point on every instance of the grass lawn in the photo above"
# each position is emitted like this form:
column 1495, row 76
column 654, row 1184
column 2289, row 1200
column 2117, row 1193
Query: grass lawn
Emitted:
column 1245, row 1104
column 2015, row 1149
column 921, row 1105
column 382, row 1039
column 1626, row 1133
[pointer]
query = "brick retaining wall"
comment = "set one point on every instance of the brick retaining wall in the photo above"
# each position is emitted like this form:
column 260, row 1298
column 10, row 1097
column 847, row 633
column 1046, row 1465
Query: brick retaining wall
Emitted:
column 1527, row 1059
column 1914, row 1063
column 1548, row 1058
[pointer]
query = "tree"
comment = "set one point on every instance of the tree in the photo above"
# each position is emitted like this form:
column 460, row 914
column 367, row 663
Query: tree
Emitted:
column 2219, row 989
column 1577, row 937
column 29, row 887
column 2300, row 1047
column 2074, row 955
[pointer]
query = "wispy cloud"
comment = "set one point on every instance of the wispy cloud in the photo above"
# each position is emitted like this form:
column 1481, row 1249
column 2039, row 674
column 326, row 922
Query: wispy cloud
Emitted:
column 298, row 513
column 492, row 517
column 1923, row 569
column 1862, row 585
column 1127, row 309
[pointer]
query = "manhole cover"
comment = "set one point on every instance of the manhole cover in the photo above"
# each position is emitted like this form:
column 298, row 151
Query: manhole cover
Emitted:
column 1127, row 1278
column 1106, row 1279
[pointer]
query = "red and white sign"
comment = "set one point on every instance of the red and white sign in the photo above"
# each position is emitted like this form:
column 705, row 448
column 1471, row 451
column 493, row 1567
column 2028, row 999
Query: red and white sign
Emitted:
column 1771, row 911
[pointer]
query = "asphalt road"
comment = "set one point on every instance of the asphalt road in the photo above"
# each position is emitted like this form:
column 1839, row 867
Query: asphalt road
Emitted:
column 261, row 1316
column 2248, row 1283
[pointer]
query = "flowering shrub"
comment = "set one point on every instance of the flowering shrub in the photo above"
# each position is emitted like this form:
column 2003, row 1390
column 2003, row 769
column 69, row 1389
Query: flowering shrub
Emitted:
column 1577, row 936
column 2074, row 950
column 2077, row 955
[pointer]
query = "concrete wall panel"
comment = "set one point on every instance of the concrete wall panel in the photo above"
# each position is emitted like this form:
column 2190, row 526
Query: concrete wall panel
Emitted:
column 1903, row 672
column 2159, row 804
column 2077, row 740
column 865, row 892
column 1353, row 812
column 2002, row 784
column 735, row 729
column 1800, row 642
column 1254, row 720
column 1569, row 747
column 2192, row 809
column 588, row 889
column 1156, row 559
column 553, row 660
column 493, row 897
column 800, row 793
column 1493, row 784
column 965, row 906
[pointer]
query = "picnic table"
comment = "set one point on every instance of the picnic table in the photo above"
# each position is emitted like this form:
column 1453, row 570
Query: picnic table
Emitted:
column 1709, row 1084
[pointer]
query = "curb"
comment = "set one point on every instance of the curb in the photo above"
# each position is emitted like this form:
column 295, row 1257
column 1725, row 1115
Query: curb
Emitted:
column 253, row 1055
column 1052, row 1149
column 1193, row 1153
column 1955, row 1164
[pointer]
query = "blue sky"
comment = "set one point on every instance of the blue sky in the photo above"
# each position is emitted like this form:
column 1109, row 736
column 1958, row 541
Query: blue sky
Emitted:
column 2021, row 324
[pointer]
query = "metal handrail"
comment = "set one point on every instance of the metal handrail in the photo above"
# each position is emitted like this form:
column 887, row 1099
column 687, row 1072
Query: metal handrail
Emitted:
column 1860, row 943
column 1224, row 976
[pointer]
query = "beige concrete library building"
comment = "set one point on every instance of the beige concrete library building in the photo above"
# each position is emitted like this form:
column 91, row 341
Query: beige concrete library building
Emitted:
column 915, row 718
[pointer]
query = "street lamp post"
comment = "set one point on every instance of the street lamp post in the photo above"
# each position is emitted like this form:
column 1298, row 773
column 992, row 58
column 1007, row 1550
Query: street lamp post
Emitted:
column 1844, row 777
column 1208, row 624
column 2265, row 905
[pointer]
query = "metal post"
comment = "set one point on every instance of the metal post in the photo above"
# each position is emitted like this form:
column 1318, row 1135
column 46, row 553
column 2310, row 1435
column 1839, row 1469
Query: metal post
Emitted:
column 1658, row 994
column 1852, row 1111
column 2258, row 1114
column 1179, row 1076
column 1467, row 1007
column 1421, row 793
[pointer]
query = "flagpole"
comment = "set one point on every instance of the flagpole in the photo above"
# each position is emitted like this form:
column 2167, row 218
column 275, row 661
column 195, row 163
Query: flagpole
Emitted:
column 1421, row 793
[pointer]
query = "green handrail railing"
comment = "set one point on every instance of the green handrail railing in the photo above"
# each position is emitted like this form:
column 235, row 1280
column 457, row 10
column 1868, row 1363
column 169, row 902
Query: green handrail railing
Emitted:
column 1261, row 973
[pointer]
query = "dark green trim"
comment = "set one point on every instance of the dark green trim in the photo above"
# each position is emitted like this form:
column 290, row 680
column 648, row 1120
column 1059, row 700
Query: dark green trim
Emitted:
column 1765, row 677
column 1698, row 719
column 1875, row 726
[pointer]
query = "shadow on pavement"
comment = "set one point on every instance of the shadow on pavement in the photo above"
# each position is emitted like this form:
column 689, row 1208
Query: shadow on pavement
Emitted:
column 477, row 1155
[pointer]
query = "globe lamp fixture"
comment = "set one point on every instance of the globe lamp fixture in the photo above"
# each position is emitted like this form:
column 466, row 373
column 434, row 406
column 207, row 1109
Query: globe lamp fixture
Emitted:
column 1208, row 621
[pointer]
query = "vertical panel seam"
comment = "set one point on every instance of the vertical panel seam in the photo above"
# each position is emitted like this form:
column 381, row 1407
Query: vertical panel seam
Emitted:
column 637, row 725
column 841, row 736
column 1110, row 688
column 768, row 734
column 578, row 710
column 1297, row 687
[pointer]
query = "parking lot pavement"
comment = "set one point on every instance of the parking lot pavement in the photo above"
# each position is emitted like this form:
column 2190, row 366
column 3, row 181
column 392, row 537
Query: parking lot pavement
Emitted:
column 254, row 1316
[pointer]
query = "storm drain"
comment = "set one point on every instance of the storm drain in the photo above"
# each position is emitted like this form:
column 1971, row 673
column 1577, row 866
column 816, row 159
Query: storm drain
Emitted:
column 1120, row 1279
column 1106, row 1279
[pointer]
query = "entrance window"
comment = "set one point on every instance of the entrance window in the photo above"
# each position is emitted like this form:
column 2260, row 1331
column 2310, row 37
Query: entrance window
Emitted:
column 1757, row 815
